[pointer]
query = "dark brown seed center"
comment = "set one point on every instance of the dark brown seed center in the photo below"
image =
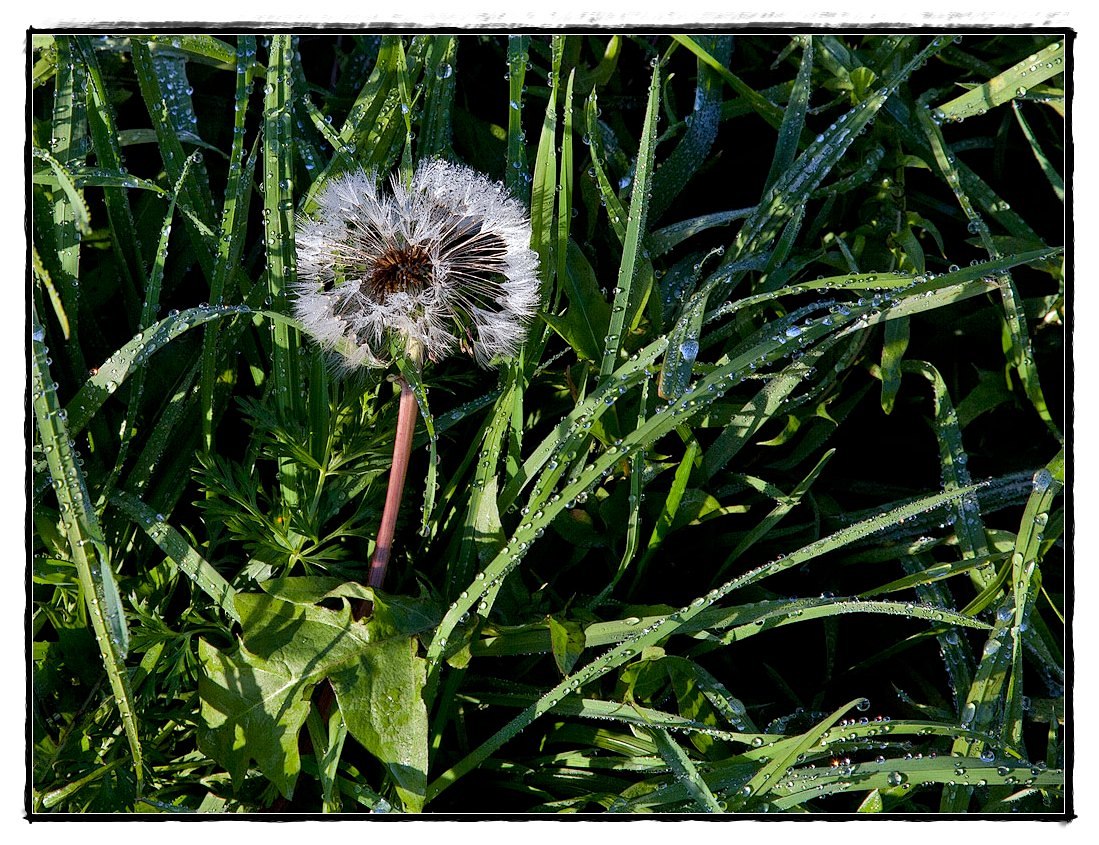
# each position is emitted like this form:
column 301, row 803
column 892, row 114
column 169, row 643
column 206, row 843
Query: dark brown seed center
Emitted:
column 408, row 269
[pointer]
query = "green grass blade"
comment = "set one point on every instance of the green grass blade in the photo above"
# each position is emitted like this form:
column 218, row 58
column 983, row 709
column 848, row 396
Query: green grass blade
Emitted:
column 685, row 771
column 163, row 82
column 616, row 211
column 515, row 174
column 234, row 210
column 767, row 777
column 1012, row 83
column 87, row 547
column 81, row 215
column 782, row 508
column 180, row 552
column 203, row 48
column 624, row 293
column 103, row 127
column 110, row 375
column 1050, row 172
column 702, row 126
column 441, row 78
column 278, row 218
column 759, row 104
column 953, row 461
column 793, row 118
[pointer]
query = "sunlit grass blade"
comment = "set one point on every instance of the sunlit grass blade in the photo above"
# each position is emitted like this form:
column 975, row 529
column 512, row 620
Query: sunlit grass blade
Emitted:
column 793, row 118
column 192, row 46
column 1013, row 82
column 86, row 545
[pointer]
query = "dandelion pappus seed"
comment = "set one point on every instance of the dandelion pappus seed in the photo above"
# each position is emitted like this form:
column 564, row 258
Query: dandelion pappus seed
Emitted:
column 441, row 265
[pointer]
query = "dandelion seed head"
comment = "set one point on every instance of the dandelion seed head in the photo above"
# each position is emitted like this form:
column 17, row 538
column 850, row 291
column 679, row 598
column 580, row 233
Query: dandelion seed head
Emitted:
column 441, row 265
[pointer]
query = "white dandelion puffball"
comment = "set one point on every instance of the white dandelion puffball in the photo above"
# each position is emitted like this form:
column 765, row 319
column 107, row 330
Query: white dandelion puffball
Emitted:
column 440, row 265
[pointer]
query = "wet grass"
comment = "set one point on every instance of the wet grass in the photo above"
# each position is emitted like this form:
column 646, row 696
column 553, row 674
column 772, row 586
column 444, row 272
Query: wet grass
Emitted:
column 768, row 515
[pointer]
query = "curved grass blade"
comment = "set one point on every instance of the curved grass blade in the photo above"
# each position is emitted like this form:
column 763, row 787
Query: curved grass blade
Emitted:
column 702, row 125
column 804, row 786
column 204, row 48
column 86, row 544
column 767, row 777
column 180, row 552
column 616, row 212
column 114, row 371
column 43, row 276
column 662, row 241
column 81, row 215
column 953, row 461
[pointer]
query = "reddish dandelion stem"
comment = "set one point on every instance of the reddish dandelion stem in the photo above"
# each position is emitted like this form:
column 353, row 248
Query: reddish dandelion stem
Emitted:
column 402, row 449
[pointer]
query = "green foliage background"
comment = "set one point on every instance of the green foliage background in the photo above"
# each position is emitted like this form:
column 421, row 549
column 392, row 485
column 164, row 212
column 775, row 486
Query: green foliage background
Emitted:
column 767, row 516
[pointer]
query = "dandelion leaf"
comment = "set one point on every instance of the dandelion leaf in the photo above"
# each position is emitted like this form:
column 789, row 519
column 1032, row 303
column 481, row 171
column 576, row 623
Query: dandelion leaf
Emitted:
column 255, row 699
column 381, row 699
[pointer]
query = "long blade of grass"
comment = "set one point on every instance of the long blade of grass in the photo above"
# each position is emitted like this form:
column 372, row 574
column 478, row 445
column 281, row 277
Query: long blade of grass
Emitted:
column 163, row 82
column 793, row 118
column 515, row 174
column 87, row 547
column 685, row 771
column 230, row 244
column 278, row 219
column 108, row 153
column 635, row 230
column 1013, row 82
